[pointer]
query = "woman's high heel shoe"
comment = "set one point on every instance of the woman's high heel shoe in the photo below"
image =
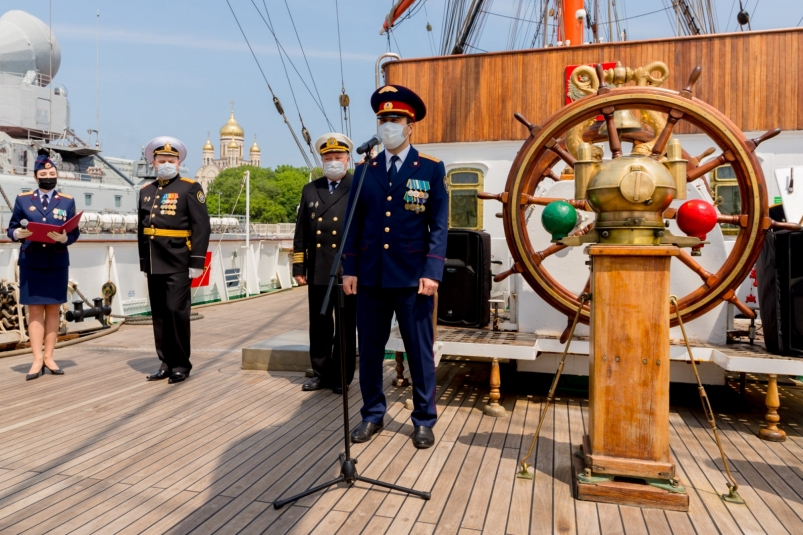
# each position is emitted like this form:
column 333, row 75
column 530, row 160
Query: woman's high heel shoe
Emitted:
column 57, row 371
column 32, row 376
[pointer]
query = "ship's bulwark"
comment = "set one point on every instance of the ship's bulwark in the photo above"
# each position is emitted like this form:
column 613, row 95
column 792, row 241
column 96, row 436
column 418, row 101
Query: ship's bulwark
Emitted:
column 751, row 77
column 100, row 450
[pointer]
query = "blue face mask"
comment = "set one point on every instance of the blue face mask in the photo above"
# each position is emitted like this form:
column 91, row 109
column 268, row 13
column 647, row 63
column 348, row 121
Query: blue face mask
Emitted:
column 167, row 170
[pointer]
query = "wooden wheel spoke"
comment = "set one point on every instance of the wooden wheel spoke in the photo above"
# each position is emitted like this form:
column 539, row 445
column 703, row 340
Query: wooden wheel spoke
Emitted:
column 782, row 225
column 710, row 165
column 613, row 135
column 693, row 77
column 730, row 296
column 543, row 201
column 663, row 138
column 752, row 144
column 709, row 279
column 488, row 196
column 533, row 128
column 540, row 256
column 555, row 147
column 694, row 161
column 515, row 268
column 738, row 220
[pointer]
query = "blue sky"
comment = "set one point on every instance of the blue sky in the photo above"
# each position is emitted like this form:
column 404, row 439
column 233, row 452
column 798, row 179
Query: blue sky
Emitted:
column 171, row 68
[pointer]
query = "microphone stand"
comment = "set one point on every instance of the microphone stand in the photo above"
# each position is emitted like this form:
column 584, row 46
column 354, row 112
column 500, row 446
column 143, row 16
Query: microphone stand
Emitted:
column 348, row 470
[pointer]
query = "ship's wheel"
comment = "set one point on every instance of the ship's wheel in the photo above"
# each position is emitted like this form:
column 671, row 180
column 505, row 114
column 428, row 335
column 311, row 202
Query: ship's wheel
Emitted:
column 546, row 147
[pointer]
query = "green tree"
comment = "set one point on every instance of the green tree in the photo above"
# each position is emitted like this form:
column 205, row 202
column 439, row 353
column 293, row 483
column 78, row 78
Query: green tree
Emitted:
column 274, row 194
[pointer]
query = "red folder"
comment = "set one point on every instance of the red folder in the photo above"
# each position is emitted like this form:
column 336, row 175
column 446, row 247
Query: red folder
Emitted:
column 40, row 230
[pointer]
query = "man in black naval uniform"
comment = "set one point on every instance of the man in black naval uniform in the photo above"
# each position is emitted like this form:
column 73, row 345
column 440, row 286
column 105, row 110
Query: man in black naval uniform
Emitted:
column 319, row 228
column 173, row 236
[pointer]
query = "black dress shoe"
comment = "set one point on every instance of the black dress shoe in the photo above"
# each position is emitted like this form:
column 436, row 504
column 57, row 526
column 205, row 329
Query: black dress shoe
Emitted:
column 364, row 432
column 177, row 377
column 316, row 383
column 32, row 376
column 158, row 376
column 423, row 437
column 339, row 389
column 57, row 371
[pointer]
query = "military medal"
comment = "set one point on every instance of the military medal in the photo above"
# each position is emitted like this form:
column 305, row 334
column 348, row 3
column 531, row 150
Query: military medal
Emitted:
column 416, row 195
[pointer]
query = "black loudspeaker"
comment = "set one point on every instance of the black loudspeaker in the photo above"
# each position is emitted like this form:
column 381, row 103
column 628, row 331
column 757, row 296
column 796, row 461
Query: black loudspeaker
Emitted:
column 780, row 295
column 466, row 288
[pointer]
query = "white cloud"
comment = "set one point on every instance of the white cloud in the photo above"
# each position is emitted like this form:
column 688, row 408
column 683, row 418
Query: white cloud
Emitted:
column 88, row 33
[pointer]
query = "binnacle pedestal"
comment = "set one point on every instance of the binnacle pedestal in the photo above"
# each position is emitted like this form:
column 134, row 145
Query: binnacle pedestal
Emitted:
column 626, row 458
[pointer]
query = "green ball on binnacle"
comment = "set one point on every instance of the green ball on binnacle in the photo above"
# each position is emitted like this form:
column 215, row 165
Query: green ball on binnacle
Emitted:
column 559, row 218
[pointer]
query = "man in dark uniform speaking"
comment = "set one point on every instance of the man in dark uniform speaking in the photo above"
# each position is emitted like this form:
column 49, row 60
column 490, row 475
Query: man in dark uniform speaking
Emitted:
column 173, row 236
column 394, row 257
column 319, row 228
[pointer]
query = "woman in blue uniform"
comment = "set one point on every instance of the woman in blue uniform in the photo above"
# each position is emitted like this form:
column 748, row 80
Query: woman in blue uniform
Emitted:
column 44, row 267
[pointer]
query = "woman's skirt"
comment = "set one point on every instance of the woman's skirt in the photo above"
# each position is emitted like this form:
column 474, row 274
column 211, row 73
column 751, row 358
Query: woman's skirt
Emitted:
column 43, row 286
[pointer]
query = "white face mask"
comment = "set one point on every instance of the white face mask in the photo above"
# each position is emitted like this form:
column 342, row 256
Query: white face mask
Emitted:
column 167, row 170
column 392, row 134
column 334, row 169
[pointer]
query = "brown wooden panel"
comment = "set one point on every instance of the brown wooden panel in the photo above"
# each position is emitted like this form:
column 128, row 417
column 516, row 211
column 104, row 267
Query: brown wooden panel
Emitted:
column 750, row 76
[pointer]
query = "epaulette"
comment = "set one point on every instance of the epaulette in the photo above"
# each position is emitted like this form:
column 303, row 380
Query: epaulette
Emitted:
column 191, row 181
column 25, row 193
column 428, row 157
column 65, row 195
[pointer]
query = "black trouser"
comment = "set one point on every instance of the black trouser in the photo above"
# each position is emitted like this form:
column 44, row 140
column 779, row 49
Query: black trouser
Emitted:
column 324, row 340
column 170, row 306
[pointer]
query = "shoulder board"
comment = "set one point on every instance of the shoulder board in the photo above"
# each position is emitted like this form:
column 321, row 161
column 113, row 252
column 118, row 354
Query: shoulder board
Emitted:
column 65, row 195
column 25, row 193
column 428, row 157
column 148, row 184
column 191, row 181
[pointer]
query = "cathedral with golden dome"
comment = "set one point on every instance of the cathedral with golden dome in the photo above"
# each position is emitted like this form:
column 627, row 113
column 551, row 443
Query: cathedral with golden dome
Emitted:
column 232, row 152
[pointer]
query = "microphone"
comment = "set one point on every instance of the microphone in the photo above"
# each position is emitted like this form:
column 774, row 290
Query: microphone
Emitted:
column 24, row 223
column 370, row 144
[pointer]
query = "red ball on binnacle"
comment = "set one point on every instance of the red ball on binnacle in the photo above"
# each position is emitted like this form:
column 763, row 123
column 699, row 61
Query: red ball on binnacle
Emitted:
column 697, row 218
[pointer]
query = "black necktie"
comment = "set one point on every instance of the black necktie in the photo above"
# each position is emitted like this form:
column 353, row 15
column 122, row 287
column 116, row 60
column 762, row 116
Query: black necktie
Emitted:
column 333, row 187
column 44, row 202
column 392, row 172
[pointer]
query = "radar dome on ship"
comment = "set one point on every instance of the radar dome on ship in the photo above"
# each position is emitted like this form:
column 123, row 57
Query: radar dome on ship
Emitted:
column 25, row 45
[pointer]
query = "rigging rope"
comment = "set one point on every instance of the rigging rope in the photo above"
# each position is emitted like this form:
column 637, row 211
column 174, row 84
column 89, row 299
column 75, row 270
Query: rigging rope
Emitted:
column 276, row 101
column 345, row 126
column 307, row 62
column 304, row 131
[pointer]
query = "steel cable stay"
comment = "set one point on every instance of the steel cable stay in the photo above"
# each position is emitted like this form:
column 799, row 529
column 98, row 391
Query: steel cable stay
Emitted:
column 276, row 101
column 345, row 126
column 304, row 54
column 304, row 132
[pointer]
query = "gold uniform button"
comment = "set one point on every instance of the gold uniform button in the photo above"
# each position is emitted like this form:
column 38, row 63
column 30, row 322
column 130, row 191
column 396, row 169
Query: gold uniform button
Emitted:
column 389, row 197
column 387, row 214
column 152, row 237
column 320, row 219
column 318, row 245
column 334, row 233
column 386, row 246
column 318, row 232
column 44, row 219
column 160, row 187
column 334, row 245
column 387, row 229
column 43, row 245
column 334, row 219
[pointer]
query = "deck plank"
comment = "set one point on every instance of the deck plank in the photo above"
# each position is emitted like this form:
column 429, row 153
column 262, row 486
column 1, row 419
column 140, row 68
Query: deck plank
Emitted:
column 125, row 456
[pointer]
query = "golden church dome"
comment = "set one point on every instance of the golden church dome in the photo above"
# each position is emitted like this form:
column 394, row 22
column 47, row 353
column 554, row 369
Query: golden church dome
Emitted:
column 231, row 128
column 255, row 147
column 232, row 145
column 208, row 145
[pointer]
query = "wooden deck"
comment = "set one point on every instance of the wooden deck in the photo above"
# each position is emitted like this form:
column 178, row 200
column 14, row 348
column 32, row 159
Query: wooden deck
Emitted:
column 102, row 451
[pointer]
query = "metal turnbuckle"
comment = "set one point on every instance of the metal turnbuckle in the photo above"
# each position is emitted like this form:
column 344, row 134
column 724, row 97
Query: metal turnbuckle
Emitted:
column 733, row 487
column 525, row 472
